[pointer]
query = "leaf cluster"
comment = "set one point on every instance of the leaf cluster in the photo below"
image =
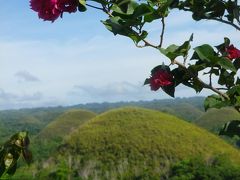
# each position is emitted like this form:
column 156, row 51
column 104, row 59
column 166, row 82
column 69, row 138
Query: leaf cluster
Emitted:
column 11, row 151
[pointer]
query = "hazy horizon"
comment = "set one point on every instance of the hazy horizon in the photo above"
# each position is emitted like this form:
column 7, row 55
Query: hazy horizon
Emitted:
column 103, row 102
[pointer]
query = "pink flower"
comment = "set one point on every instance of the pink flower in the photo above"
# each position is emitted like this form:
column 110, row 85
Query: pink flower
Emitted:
column 50, row 10
column 160, row 78
column 233, row 52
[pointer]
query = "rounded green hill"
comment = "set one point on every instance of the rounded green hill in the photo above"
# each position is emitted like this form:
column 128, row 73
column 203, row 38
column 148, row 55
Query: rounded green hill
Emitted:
column 53, row 134
column 137, row 140
column 65, row 123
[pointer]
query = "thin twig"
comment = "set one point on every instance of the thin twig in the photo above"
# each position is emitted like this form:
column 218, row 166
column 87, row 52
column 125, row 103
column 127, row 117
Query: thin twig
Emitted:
column 222, row 88
column 210, row 77
column 95, row 7
column 162, row 34
column 149, row 44
column 106, row 11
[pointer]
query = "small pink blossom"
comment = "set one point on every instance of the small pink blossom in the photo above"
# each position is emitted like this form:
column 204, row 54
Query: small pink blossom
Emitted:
column 159, row 79
column 233, row 52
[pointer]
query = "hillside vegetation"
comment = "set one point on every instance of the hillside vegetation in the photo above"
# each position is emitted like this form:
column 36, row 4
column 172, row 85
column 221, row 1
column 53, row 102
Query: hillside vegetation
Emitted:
column 214, row 119
column 188, row 109
column 52, row 135
column 133, row 142
column 31, row 120
column 65, row 123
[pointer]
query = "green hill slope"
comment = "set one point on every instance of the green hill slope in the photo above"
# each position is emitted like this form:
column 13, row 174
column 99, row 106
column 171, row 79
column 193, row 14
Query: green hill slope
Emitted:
column 184, row 111
column 136, row 141
column 31, row 120
column 52, row 135
column 214, row 119
column 65, row 123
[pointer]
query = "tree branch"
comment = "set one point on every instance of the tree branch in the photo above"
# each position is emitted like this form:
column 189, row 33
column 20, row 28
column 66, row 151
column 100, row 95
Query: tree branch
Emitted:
column 226, row 22
column 149, row 44
column 222, row 89
column 162, row 34
column 217, row 19
column 207, row 86
column 210, row 77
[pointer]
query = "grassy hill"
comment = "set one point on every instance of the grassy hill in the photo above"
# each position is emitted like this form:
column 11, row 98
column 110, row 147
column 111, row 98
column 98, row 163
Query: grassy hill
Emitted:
column 52, row 135
column 184, row 111
column 214, row 119
column 133, row 142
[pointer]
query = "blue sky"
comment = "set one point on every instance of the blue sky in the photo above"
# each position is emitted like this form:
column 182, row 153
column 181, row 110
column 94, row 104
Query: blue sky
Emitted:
column 76, row 60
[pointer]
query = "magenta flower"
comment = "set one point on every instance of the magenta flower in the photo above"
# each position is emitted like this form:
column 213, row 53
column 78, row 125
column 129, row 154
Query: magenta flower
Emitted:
column 50, row 10
column 233, row 52
column 160, row 78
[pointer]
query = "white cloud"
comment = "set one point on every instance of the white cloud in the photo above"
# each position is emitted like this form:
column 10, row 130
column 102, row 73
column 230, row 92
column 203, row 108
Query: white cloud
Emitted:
column 26, row 76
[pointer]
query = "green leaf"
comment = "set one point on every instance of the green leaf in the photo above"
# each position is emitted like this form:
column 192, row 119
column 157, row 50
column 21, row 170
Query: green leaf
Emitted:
column 124, row 8
column 160, row 67
column 237, row 101
column 194, row 69
column 170, row 90
column 8, row 160
column 234, row 91
column 205, row 52
column 236, row 13
column 226, row 78
column 82, row 5
column 117, row 26
column 174, row 51
column 147, row 81
column 226, row 64
column 184, row 48
column 222, row 47
column 226, row 41
column 238, row 81
column 12, row 170
column 113, row 24
column 179, row 76
column 142, row 10
column 12, row 149
column 197, row 85
column 236, row 63
column 170, row 52
column 215, row 101
column 130, row 6
column 156, row 14
column 231, row 128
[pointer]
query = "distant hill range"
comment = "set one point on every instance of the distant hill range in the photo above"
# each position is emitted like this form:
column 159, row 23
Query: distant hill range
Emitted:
column 35, row 119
